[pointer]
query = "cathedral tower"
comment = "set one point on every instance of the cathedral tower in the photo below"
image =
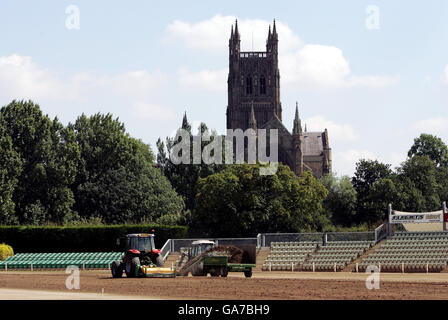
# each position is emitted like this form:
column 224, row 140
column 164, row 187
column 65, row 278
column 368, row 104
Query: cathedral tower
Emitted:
column 254, row 79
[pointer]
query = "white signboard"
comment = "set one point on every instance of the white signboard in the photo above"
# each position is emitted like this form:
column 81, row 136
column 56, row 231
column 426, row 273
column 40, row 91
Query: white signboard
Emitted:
column 416, row 217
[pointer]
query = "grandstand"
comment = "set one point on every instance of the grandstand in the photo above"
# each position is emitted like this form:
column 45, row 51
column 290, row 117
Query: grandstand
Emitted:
column 336, row 255
column 85, row 260
column 289, row 255
column 410, row 252
column 314, row 256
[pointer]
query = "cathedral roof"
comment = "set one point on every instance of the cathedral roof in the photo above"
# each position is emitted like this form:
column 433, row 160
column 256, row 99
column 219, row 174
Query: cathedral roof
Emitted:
column 312, row 143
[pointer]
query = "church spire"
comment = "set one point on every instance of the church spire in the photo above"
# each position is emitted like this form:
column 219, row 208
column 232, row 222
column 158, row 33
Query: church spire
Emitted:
column 252, row 120
column 185, row 124
column 237, row 34
column 297, row 129
column 274, row 31
column 231, row 33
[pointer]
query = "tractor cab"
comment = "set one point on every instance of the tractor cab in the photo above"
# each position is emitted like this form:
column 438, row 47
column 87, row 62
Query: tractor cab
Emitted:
column 198, row 247
column 143, row 242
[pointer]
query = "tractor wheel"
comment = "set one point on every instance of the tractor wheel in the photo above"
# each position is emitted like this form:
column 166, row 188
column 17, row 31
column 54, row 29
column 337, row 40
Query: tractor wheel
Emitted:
column 131, row 267
column 248, row 273
column 117, row 270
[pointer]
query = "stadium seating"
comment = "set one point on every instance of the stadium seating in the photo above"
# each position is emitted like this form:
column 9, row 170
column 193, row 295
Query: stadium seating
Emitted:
column 336, row 255
column 288, row 255
column 410, row 252
column 88, row 260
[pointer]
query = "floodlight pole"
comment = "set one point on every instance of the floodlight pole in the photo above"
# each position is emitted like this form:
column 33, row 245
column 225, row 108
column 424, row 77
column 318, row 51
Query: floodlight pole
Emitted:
column 389, row 227
column 444, row 214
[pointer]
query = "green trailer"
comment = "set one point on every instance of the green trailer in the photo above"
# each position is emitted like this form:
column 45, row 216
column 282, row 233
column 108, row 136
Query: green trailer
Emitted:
column 206, row 258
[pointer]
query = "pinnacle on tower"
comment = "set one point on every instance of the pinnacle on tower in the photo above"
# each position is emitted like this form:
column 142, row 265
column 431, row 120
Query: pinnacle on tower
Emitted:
column 237, row 34
column 185, row 124
column 274, row 31
column 231, row 32
column 252, row 120
column 297, row 129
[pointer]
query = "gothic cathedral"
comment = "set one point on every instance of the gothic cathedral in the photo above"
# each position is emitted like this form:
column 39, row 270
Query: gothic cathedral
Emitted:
column 254, row 102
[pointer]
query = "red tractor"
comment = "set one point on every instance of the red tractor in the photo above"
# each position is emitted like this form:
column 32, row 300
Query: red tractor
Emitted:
column 141, row 258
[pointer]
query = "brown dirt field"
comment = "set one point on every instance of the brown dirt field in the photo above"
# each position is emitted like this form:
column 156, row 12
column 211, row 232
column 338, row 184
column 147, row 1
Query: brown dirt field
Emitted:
column 261, row 286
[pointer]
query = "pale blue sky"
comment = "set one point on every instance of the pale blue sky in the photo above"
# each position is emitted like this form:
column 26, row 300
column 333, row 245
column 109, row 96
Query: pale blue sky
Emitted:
column 148, row 61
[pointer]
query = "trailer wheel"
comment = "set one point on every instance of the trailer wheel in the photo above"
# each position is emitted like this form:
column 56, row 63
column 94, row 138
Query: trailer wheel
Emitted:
column 224, row 272
column 213, row 273
column 248, row 273
column 117, row 271
column 131, row 267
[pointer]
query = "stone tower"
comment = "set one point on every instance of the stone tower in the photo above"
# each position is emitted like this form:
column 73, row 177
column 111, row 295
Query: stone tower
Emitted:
column 254, row 102
column 254, row 79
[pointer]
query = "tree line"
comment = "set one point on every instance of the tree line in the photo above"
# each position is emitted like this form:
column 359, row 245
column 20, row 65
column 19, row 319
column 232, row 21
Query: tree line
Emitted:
column 93, row 171
column 89, row 170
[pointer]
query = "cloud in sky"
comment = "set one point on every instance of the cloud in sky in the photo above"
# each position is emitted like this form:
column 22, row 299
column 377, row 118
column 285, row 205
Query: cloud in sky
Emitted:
column 344, row 162
column 313, row 65
column 209, row 80
column 211, row 34
column 338, row 132
column 445, row 75
column 21, row 78
column 436, row 125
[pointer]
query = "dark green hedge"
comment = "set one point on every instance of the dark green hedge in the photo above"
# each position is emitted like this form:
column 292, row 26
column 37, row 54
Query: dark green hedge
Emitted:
column 78, row 239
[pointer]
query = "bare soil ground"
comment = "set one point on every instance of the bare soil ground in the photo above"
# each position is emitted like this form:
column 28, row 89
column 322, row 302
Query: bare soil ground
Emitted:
column 263, row 285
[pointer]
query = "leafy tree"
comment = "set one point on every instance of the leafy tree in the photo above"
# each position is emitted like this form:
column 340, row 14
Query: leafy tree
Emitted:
column 442, row 181
column 431, row 146
column 48, row 154
column 184, row 177
column 340, row 203
column 366, row 174
column 115, row 178
column 421, row 171
column 10, row 170
column 238, row 201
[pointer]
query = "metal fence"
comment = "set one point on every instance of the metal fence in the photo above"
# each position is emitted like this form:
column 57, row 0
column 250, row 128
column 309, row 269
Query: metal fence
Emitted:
column 265, row 239
column 175, row 245
column 351, row 236
column 381, row 232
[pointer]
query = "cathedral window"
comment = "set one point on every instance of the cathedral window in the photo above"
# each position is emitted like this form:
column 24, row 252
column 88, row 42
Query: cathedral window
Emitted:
column 249, row 85
column 262, row 85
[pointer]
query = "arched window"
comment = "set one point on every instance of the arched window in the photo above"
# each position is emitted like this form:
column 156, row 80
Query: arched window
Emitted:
column 249, row 85
column 262, row 85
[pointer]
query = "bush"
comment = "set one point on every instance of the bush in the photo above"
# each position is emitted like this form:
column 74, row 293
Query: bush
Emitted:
column 5, row 251
column 81, row 238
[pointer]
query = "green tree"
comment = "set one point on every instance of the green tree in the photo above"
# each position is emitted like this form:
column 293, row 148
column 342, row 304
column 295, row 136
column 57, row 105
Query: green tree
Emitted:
column 10, row 170
column 115, row 178
column 238, row 201
column 431, row 146
column 48, row 154
column 340, row 203
column 366, row 174
column 184, row 177
column 421, row 171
